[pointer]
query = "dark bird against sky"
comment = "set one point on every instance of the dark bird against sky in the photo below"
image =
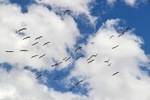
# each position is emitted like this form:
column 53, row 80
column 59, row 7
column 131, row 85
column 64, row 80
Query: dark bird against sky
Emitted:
column 66, row 11
column 92, row 56
column 115, row 73
column 42, row 55
column 123, row 32
column 34, row 56
column 35, row 43
column 115, row 46
column 24, row 50
column 46, row 43
column 38, row 76
column 77, row 49
column 9, row 51
column 26, row 37
column 38, row 37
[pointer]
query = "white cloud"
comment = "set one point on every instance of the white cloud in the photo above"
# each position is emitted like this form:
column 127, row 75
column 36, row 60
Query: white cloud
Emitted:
column 62, row 33
column 126, row 59
column 77, row 7
column 111, row 2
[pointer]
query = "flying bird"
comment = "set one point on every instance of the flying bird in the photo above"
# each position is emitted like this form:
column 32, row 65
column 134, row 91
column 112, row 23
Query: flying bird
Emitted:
column 34, row 56
column 90, row 61
column 106, row 61
column 70, row 83
column 115, row 46
column 92, row 56
column 56, row 77
column 24, row 50
column 79, row 82
column 66, row 11
column 92, row 42
column 42, row 55
column 64, row 58
column 77, row 49
column 123, row 32
column 115, row 73
column 109, row 64
column 22, row 29
column 38, row 37
column 26, row 37
column 9, row 51
column 35, row 43
column 46, row 43
column 67, row 59
column 111, row 36
column 39, row 76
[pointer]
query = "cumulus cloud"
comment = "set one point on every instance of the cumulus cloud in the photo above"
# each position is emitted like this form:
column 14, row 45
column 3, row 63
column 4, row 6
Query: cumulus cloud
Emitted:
column 62, row 32
column 126, row 59
column 77, row 7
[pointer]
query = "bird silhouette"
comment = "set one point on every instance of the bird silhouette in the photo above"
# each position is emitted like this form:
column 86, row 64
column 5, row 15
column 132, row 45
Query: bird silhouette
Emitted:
column 115, row 73
column 123, row 32
column 115, row 46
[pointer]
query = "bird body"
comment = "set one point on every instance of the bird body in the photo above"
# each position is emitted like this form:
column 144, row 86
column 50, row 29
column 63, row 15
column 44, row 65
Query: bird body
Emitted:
column 106, row 61
column 34, row 56
column 111, row 36
column 9, row 51
column 123, row 32
column 92, row 56
column 115, row 73
column 35, row 43
column 79, row 82
column 22, row 29
column 24, row 50
column 66, row 11
column 42, row 56
column 38, row 37
column 77, row 49
column 46, row 43
column 115, row 46
column 26, row 37
column 38, row 76
column 67, row 59
column 90, row 61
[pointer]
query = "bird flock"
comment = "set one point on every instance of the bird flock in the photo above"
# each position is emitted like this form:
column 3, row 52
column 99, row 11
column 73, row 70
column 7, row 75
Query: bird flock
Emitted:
column 65, row 59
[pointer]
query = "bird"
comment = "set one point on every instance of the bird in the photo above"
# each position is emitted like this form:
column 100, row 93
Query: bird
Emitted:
column 92, row 56
column 24, row 50
column 106, row 61
column 64, row 58
column 26, row 37
column 66, row 11
column 9, row 51
column 67, row 59
column 35, row 43
column 92, row 42
column 38, row 37
column 115, row 73
column 22, row 29
column 79, row 82
column 34, row 56
column 56, row 77
column 90, row 61
column 42, row 55
column 77, row 49
column 39, row 76
column 111, row 36
column 46, row 43
column 109, row 64
column 123, row 32
column 70, row 83
column 115, row 46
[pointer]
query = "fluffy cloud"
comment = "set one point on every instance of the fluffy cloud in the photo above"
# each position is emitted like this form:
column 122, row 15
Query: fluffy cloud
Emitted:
column 62, row 34
column 126, row 59
column 77, row 7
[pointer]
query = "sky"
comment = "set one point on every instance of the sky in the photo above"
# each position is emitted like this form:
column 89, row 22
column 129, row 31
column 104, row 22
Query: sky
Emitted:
column 86, row 53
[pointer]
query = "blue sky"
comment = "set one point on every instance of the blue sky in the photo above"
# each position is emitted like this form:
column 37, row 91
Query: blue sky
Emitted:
column 78, row 30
